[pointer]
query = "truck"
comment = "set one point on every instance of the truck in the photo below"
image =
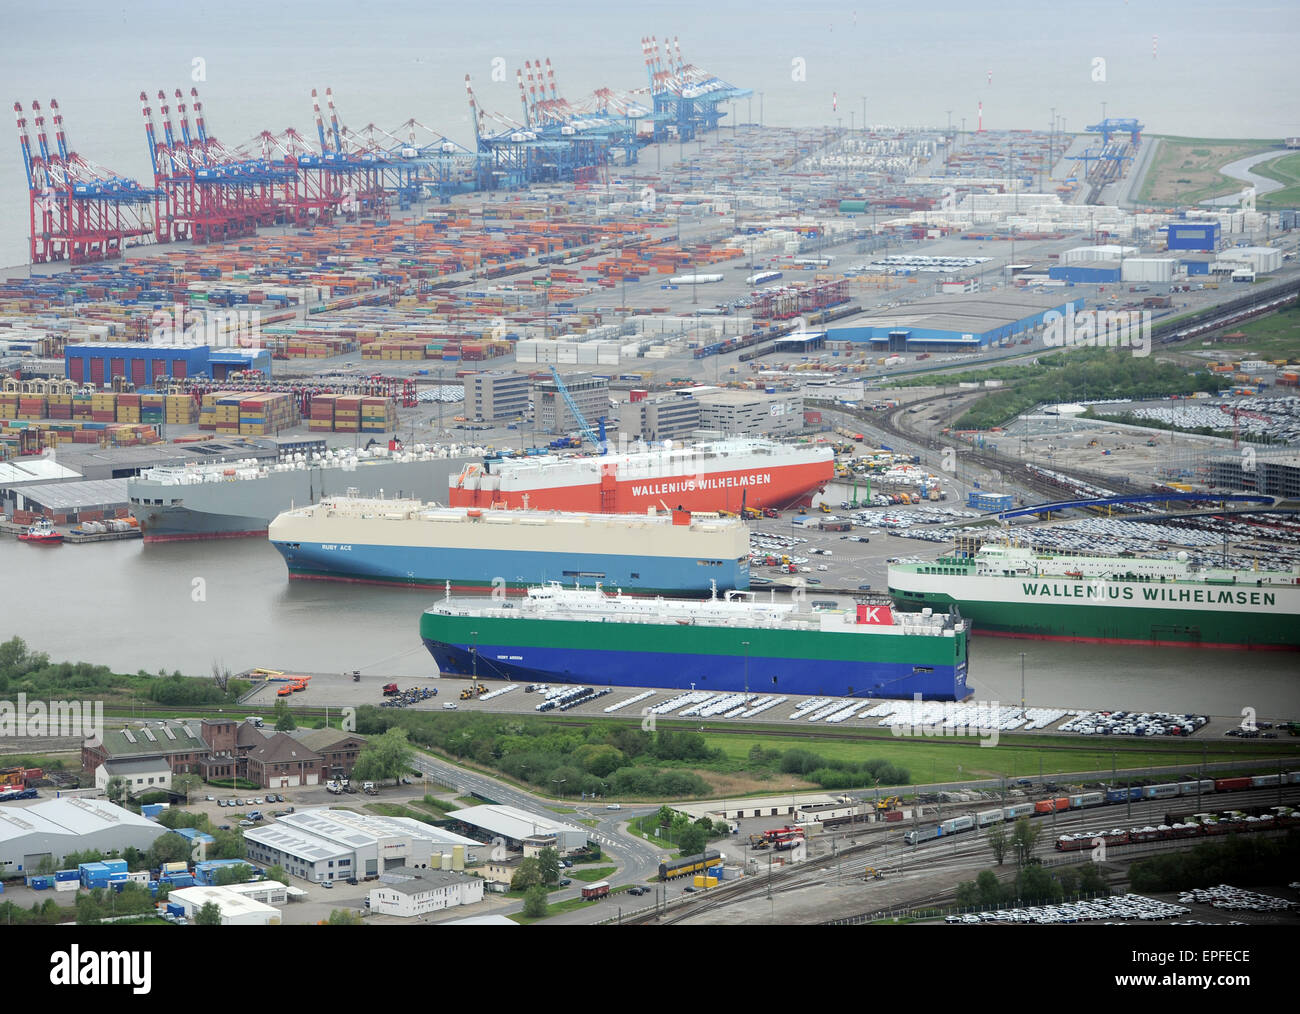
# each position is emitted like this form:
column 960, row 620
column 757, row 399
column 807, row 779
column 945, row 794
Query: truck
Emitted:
column 390, row 689
column 369, row 789
column 334, row 788
column 596, row 891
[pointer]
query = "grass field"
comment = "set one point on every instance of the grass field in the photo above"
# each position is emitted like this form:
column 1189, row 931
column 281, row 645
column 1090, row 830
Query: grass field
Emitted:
column 555, row 908
column 591, row 876
column 1275, row 336
column 1285, row 170
column 954, row 759
column 1185, row 170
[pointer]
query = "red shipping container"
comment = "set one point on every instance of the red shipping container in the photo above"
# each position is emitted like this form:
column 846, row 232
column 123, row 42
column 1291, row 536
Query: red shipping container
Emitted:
column 138, row 372
column 76, row 369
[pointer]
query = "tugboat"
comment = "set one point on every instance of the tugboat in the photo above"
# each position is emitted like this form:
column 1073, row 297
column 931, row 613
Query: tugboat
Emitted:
column 42, row 533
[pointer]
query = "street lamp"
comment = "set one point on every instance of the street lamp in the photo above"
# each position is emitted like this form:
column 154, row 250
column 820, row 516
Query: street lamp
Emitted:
column 473, row 651
column 746, row 644
column 560, row 782
column 1022, row 684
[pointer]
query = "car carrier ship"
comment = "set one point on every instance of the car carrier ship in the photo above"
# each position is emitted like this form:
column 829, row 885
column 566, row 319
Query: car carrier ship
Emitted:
column 231, row 499
column 737, row 643
column 722, row 475
column 1015, row 591
column 410, row 543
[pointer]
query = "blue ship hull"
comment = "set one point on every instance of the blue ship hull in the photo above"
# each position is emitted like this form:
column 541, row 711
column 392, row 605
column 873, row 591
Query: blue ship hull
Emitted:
column 482, row 570
column 714, row 672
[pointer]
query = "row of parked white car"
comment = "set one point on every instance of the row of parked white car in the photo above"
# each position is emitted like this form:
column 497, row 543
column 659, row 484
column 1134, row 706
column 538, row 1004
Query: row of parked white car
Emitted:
column 1237, row 899
column 1121, row 908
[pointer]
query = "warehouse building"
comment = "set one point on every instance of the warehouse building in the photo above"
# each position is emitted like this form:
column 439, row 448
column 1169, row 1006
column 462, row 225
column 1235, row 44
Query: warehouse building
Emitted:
column 590, row 394
column 950, row 323
column 497, row 395
column 1193, row 236
column 328, row 845
column 519, row 827
column 59, row 827
column 147, row 365
column 236, row 909
column 408, row 893
column 69, row 503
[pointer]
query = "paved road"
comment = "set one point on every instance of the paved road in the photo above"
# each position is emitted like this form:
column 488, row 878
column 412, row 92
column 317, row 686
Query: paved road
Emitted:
column 1240, row 170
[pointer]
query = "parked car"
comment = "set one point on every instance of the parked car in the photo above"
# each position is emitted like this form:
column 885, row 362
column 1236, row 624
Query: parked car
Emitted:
column 327, row 884
column 565, row 882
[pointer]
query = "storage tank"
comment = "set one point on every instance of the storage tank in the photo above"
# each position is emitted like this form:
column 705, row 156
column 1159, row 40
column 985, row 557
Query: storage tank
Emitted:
column 458, row 857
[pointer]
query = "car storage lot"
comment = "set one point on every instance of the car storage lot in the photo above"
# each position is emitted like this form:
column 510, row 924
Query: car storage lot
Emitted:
column 1188, row 912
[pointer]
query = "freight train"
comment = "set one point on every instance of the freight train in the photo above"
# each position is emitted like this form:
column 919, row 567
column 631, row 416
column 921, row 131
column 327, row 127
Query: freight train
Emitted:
column 1085, row 800
column 1173, row 829
column 691, row 864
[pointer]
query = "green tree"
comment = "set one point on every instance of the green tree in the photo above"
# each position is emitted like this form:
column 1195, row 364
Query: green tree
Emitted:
column 386, row 756
column 284, row 721
column 527, row 874
column 1024, row 838
column 1091, row 880
column 169, row 848
column 208, row 915
column 548, row 861
column 186, row 784
column 46, row 865
column 240, row 874
column 692, row 840
column 666, row 816
column 998, row 839
column 535, row 906
column 988, row 887
column 345, row 917
column 116, row 789
column 968, row 894
column 1035, row 885
column 279, row 873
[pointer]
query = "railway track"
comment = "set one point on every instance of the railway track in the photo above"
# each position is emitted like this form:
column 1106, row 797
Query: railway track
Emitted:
column 965, row 852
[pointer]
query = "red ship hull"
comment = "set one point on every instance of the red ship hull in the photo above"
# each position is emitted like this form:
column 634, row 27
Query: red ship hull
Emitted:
column 779, row 487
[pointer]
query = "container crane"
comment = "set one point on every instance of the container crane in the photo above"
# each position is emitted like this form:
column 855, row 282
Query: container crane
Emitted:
column 598, row 440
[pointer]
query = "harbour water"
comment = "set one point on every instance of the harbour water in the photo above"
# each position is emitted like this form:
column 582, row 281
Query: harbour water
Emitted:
column 187, row 605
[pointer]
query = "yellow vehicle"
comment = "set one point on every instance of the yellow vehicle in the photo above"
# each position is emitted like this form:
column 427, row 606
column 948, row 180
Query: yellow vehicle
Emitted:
column 888, row 803
column 467, row 695
column 871, row 873
column 823, row 508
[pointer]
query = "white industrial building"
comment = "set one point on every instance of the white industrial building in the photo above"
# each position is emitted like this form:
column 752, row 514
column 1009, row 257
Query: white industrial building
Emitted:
column 236, row 908
column 518, row 826
column 407, row 893
column 268, row 892
column 58, row 827
column 327, row 845
column 1101, row 252
column 145, row 775
column 1148, row 269
column 1260, row 259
